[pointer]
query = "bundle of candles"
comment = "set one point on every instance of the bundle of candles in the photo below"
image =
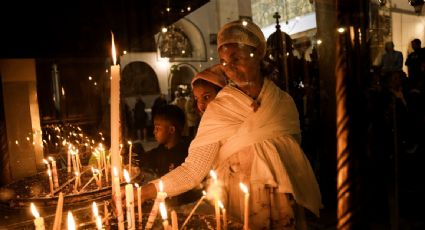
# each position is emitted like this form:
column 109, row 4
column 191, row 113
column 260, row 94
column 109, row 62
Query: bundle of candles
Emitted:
column 100, row 222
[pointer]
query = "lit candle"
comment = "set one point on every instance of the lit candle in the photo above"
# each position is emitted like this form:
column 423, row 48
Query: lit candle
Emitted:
column 99, row 223
column 129, row 158
column 129, row 202
column 117, row 194
column 71, row 221
column 95, row 210
column 54, row 173
column 139, row 203
column 194, row 209
column 77, row 181
column 96, row 216
column 115, row 134
column 223, row 210
column 79, row 165
column 105, row 165
column 50, row 182
column 246, row 205
column 164, row 216
column 95, row 173
column 39, row 221
column 174, row 221
column 69, row 159
column 58, row 215
column 216, row 198
column 47, row 163
column 160, row 196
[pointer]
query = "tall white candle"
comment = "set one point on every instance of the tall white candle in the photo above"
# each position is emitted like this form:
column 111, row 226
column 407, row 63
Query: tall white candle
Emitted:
column 246, row 206
column 115, row 114
column 139, row 203
column 54, row 173
column 117, row 195
column 129, row 202
column 38, row 221
column 164, row 216
column 160, row 197
column 224, row 214
column 71, row 221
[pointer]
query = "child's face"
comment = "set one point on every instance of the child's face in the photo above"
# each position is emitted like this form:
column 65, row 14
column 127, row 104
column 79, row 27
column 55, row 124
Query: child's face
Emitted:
column 163, row 130
column 203, row 95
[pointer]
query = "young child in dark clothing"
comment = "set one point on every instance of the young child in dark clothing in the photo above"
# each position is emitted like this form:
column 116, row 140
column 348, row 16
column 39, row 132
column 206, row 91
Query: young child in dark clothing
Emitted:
column 173, row 148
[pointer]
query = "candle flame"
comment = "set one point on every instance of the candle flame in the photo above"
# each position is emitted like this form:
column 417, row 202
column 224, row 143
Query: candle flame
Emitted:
column 95, row 210
column 114, row 52
column 136, row 185
column 129, row 142
column 204, row 193
column 163, row 210
column 161, row 186
column 45, row 161
column 71, row 221
column 49, row 172
column 126, row 176
column 50, row 158
column 220, row 204
column 115, row 171
column 34, row 211
column 213, row 175
column 243, row 188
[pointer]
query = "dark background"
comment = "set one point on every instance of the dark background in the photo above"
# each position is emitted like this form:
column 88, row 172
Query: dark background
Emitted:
column 46, row 29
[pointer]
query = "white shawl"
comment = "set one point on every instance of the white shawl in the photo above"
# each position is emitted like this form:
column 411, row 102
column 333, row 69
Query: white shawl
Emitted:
column 278, row 158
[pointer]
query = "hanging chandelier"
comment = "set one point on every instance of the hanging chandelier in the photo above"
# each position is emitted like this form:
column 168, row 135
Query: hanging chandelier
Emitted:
column 174, row 43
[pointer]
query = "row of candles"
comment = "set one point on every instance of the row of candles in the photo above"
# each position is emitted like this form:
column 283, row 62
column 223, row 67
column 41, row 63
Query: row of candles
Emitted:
column 158, row 204
column 74, row 165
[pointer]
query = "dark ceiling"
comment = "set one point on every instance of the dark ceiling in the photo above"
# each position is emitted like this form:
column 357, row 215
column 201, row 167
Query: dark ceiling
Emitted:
column 81, row 28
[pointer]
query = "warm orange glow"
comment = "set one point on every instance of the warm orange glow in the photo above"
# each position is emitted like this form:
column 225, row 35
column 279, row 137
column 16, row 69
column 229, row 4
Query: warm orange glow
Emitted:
column 49, row 172
column 45, row 161
column 243, row 188
column 220, row 204
column 213, row 175
column 34, row 211
column 163, row 210
column 71, row 221
column 161, row 186
column 204, row 193
column 50, row 158
column 114, row 52
column 98, row 222
column 95, row 210
column 115, row 171
column 126, row 176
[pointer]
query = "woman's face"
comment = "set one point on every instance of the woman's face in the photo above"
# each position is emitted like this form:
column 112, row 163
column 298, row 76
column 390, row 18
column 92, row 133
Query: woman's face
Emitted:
column 240, row 63
column 203, row 95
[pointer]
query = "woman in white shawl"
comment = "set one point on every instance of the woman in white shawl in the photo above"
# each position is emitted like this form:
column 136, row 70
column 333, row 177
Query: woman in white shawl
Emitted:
column 250, row 133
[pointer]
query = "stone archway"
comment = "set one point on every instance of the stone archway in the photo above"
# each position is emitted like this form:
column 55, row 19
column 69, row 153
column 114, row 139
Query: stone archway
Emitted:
column 138, row 78
column 180, row 78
